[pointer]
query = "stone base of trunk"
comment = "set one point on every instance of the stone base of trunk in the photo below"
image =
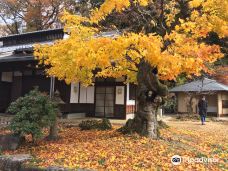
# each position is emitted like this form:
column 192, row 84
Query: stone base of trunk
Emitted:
column 139, row 126
column 135, row 126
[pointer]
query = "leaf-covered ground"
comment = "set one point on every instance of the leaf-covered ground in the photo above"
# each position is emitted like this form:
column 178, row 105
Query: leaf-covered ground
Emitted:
column 109, row 150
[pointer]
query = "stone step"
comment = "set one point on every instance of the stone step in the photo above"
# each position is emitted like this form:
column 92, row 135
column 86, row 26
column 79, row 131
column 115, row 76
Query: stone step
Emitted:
column 75, row 115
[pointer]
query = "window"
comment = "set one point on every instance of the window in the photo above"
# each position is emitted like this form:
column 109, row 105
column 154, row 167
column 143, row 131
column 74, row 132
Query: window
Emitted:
column 132, row 91
column 86, row 94
column 225, row 104
column 7, row 77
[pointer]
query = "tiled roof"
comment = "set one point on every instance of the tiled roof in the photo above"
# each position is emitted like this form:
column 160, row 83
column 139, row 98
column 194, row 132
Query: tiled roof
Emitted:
column 24, row 46
column 33, row 32
column 7, row 53
column 204, row 85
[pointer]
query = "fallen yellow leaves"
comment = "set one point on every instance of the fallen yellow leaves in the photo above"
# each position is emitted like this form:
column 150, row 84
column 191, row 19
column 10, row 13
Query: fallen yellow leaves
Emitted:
column 110, row 150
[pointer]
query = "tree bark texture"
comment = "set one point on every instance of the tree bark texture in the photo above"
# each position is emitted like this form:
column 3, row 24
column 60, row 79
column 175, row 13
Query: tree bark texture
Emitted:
column 53, row 132
column 150, row 95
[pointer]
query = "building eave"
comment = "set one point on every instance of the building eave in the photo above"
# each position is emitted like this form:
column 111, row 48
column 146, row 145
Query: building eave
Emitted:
column 16, row 58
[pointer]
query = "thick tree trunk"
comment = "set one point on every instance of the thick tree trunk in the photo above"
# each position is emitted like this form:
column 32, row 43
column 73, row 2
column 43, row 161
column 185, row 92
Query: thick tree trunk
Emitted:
column 149, row 96
column 152, row 124
column 53, row 132
column 147, row 120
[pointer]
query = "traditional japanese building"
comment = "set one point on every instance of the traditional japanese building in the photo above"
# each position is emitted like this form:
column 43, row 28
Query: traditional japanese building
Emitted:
column 109, row 97
column 216, row 95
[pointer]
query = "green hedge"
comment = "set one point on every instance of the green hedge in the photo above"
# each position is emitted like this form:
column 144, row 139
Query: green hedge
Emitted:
column 103, row 124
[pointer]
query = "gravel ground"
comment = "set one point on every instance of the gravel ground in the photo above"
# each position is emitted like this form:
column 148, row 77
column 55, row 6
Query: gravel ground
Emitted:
column 211, row 127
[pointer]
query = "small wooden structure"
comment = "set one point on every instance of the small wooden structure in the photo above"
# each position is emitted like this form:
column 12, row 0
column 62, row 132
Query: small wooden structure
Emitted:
column 216, row 95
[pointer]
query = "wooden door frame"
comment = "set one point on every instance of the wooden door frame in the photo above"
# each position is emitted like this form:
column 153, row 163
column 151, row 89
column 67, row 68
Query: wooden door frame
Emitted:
column 114, row 99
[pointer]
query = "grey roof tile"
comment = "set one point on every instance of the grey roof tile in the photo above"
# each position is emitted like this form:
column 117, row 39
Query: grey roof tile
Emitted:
column 200, row 86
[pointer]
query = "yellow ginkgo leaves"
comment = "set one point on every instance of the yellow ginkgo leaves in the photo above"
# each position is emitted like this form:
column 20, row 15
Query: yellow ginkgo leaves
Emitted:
column 110, row 150
column 181, row 51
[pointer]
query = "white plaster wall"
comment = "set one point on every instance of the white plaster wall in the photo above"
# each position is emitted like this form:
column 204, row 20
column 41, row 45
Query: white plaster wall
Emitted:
column 83, row 93
column 129, row 102
column 86, row 94
column 74, row 93
column 130, row 116
column 120, row 95
column 182, row 103
column 213, row 103
column 90, row 94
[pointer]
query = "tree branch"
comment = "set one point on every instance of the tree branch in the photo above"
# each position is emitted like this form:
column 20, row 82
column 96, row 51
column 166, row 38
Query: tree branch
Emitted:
column 7, row 25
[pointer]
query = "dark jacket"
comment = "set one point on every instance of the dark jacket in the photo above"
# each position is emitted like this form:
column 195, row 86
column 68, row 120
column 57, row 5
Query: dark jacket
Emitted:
column 202, row 105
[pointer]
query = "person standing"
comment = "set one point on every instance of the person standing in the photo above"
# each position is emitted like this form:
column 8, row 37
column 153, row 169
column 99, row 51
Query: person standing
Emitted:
column 202, row 105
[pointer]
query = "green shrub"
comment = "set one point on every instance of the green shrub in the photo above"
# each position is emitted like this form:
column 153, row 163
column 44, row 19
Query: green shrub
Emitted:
column 103, row 124
column 89, row 124
column 170, row 105
column 33, row 112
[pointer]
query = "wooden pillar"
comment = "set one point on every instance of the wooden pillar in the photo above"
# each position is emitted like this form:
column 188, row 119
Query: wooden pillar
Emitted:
column 219, row 98
column 52, row 87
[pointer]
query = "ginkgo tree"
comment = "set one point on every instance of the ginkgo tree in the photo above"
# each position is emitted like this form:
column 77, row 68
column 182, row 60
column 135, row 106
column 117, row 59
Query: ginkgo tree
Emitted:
column 156, row 40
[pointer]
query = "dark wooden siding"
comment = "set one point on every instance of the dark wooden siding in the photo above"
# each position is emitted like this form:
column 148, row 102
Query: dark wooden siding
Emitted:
column 5, row 89
column 64, row 90
column 30, row 78
column 82, row 108
column 40, row 81
column 16, row 90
